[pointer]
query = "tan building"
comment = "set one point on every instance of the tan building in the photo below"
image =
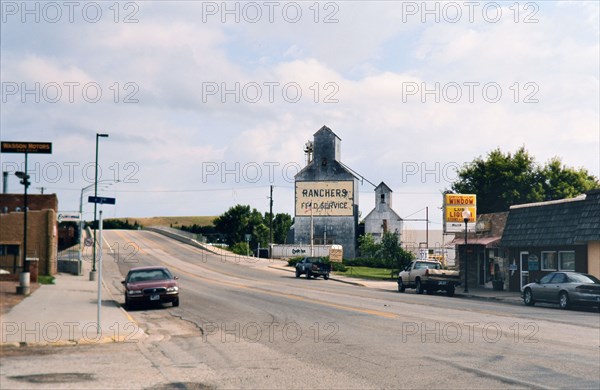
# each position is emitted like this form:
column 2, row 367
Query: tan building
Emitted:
column 42, row 237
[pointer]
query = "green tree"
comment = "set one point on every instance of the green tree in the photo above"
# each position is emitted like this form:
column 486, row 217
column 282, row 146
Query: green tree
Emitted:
column 562, row 182
column 392, row 253
column 281, row 226
column 233, row 224
column 504, row 179
column 367, row 245
column 240, row 220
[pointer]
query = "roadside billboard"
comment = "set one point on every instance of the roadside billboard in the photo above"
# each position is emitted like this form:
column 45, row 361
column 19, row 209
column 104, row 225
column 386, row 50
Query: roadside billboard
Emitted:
column 324, row 198
column 454, row 205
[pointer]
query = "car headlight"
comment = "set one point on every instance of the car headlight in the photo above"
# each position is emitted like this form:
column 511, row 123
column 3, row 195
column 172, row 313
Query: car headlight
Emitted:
column 172, row 289
column 134, row 292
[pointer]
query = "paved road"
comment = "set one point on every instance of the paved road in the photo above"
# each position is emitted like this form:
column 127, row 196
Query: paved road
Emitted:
column 242, row 324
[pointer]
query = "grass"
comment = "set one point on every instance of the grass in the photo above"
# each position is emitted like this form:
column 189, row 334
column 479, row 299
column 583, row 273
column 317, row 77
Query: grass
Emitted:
column 45, row 279
column 170, row 221
column 367, row 273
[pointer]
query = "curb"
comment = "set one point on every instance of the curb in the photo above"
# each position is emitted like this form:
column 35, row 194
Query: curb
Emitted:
column 330, row 278
column 66, row 343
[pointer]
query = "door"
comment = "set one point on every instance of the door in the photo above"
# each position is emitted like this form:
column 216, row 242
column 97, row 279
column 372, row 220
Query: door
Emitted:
column 524, row 269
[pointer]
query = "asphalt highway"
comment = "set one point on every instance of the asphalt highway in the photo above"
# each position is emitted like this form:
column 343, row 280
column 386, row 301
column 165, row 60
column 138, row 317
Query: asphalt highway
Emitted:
column 248, row 323
column 252, row 326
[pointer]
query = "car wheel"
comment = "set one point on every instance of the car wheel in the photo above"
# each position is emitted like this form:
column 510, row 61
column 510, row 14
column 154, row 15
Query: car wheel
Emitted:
column 126, row 301
column 176, row 302
column 297, row 273
column 528, row 297
column 450, row 291
column 563, row 300
column 326, row 277
column 419, row 287
column 401, row 287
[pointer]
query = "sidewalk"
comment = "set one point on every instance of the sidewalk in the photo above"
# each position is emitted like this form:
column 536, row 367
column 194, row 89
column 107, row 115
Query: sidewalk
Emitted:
column 65, row 313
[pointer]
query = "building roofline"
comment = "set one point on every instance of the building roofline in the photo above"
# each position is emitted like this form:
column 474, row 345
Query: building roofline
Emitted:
column 549, row 202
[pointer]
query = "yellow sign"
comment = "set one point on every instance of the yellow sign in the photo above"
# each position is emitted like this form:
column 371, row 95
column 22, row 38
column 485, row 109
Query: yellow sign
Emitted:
column 324, row 198
column 461, row 200
column 454, row 214
column 455, row 204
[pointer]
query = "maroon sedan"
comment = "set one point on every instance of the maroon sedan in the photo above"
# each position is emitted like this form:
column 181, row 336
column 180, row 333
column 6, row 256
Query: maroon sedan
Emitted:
column 151, row 284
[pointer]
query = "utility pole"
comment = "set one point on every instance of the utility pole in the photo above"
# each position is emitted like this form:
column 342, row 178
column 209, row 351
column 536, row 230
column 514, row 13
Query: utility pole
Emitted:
column 271, row 217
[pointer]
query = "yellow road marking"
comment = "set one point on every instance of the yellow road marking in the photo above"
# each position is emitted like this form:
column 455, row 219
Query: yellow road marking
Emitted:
column 291, row 296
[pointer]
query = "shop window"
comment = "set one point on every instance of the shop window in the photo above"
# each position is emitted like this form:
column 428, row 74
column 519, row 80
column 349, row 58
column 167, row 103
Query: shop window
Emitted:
column 566, row 261
column 549, row 261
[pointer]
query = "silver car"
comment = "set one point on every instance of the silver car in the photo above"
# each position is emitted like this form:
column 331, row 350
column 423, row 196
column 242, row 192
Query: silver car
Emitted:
column 564, row 288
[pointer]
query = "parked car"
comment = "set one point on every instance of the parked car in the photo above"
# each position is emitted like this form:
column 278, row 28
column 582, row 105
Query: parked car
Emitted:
column 564, row 288
column 313, row 266
column 149, row 285
column 430, row 276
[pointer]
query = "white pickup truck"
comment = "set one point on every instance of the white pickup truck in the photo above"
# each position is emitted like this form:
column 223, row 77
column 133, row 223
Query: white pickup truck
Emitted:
column 430, row 276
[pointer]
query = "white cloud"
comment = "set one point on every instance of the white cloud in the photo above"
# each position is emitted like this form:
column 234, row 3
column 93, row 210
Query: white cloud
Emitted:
column 369, row 58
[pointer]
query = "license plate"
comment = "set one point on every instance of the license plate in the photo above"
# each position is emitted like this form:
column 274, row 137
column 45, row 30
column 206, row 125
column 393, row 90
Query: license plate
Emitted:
column 442, row 283
column 154, row 297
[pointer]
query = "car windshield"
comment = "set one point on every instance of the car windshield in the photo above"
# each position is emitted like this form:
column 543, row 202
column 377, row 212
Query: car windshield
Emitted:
column 314, row 259
column 146, row 275
column 582, row 278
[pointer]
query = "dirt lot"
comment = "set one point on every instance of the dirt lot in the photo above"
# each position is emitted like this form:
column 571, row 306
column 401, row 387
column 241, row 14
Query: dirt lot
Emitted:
column 9, row 297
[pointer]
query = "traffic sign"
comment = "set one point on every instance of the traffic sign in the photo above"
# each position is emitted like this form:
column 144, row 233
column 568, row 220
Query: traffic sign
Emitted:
column 26, row 147
column 101, row 200
column 88, row 241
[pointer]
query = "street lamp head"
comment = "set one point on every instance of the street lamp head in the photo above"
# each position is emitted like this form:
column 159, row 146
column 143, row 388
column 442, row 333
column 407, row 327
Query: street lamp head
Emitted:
column 466, row 214
column 101, row 135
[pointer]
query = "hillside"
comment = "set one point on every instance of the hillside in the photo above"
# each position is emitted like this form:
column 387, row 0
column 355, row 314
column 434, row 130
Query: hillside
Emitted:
column 169, row 221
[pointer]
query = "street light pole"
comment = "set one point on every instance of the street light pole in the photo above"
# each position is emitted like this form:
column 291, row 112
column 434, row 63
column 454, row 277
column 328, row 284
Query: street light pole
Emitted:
column 466, row 214
column 84, row 189
column 93, row 271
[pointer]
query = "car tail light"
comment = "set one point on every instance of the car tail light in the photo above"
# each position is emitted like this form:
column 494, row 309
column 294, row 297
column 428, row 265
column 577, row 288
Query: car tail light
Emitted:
column 427, row 272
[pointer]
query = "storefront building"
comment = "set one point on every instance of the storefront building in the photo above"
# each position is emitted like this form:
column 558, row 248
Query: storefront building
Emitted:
column 486, row 259
column 561, row 235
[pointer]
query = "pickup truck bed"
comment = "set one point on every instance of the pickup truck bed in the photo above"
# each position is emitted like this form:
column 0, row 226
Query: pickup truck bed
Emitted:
column 428, row 276
column 313, row 266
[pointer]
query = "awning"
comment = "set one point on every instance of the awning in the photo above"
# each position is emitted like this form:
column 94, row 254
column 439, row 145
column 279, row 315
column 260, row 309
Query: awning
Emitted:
column 485, row 241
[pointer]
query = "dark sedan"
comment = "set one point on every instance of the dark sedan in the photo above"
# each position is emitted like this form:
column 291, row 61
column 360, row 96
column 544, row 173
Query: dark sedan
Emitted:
column 150, row 285
column 564, row 288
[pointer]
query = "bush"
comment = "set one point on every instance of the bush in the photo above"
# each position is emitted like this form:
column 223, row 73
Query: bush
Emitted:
column 365, row 262
column 292, row 262
column 338, row 267
column 240, row 248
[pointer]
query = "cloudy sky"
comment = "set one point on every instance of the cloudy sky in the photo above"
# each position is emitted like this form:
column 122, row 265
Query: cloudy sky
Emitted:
column 208, row 103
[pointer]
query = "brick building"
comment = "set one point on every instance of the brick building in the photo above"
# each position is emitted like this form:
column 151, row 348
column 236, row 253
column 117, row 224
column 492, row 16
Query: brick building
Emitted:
column 42, row 237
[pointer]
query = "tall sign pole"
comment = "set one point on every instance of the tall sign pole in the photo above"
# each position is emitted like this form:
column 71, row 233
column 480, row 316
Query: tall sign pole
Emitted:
column 25, row 148
column 93, row 271
column 101, row 200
